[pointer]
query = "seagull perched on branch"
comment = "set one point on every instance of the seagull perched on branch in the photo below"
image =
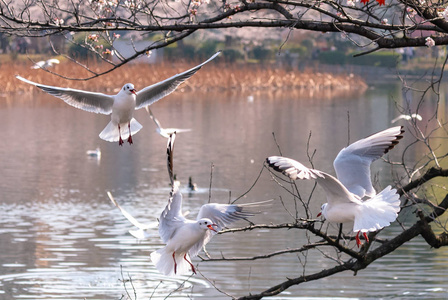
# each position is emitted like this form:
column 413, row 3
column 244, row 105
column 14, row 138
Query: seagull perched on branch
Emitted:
column 345, row 193
column 185, row 238
column 121, row 105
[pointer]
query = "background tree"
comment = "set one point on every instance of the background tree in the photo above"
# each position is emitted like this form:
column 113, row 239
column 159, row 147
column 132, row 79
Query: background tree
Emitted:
column 370, row 25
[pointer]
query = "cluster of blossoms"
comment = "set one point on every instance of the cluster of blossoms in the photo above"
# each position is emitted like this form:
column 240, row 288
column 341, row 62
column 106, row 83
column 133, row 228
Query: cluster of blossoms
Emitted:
column 93, row 37
column 411, row 12
column 58, row 21
column 195, row 5
column 385, row 21
column 429, row 42
column 105, row 5
column 352, row 3
column 133, row 4
column 444, row 14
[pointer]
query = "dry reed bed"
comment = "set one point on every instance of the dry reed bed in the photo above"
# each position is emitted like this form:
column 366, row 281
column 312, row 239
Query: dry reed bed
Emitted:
column 212, row 77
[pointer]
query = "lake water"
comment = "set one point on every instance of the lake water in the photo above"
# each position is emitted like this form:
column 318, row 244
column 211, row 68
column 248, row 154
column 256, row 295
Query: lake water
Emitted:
column 61, row 237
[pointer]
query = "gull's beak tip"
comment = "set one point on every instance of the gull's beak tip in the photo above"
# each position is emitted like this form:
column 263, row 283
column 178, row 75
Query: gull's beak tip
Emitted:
column 211, row 227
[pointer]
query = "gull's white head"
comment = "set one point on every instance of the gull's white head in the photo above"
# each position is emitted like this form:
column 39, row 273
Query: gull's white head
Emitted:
column 129, row 89
column 323, row 210
column 207, row 224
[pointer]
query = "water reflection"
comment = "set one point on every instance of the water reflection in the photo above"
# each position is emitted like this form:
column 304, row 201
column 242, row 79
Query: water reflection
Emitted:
column 61, row 238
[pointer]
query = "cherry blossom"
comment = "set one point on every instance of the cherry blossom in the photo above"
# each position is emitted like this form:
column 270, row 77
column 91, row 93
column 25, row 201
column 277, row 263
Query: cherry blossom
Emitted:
column 430, row 42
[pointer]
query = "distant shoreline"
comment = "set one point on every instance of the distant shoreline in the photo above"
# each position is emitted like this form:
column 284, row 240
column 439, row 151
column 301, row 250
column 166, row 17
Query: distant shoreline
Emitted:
column 212, row 77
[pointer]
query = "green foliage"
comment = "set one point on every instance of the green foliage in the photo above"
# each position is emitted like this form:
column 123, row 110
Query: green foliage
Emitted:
column 332, row 57
column 262, row 53
column 207, row 49
column 376, row 59
column 231, row 55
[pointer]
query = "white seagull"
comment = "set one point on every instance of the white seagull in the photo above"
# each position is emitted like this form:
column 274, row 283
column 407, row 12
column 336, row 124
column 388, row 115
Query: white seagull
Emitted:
column 407, row 117
column 345, row 194
column 44, row 64
column 121, row 105
column 185, row 238
column 165, row 132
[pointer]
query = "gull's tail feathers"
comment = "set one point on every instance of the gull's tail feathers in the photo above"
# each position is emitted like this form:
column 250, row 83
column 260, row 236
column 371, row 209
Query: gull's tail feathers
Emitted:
column 111, row 134
column 378, row 212
column 164, row 262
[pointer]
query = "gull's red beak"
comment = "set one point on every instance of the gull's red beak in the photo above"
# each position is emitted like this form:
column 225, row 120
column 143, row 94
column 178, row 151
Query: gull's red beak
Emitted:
column 319, row 214
column 211, row 227
column 133, row 91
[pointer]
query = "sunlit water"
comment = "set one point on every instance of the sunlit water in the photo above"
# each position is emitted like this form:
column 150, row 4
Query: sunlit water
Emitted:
column 61, row 237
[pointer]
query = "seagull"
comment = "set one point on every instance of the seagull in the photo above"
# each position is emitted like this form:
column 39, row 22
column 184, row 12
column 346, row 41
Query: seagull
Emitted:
column 165, row 132
column 121, row 105
column 345, row 194
column 407, row 117
column 44, row 64
column 185, row 238
column 142, row 232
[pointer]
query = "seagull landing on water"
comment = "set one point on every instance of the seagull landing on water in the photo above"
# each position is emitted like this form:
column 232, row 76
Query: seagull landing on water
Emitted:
column 165, row 132
column 45, row 64
column 346, row 193
column 121, row 105
column 185, row 238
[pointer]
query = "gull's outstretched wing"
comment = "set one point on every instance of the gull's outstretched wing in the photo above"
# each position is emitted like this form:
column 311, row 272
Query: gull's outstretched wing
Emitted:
column 334, row 189
column 128, row 215
column 151, row 115
column 352, row 164
column 141, row 233
column 155, row 92
column 88, row 101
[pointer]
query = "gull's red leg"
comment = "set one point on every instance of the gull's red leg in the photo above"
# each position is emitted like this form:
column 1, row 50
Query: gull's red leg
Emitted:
column 120, row 141
column 175, row 264
column 358, row 241
column 192, row 267
column 365, row 236
column 130, row 137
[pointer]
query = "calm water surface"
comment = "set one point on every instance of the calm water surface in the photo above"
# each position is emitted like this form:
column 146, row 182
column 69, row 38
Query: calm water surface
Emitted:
column 61, row 238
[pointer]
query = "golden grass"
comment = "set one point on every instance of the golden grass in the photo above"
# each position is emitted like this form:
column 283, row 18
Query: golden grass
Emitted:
column 215, row 76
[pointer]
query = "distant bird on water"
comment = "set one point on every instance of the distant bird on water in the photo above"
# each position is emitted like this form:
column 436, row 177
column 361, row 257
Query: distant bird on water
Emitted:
column 345, row 194
column 121, row 105
column 94, row 153
column 45, row 64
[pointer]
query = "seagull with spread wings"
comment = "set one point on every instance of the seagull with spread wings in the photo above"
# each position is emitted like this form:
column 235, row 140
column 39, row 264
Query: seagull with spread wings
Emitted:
column 185, row 238
column 345, row 194
column 121, row 105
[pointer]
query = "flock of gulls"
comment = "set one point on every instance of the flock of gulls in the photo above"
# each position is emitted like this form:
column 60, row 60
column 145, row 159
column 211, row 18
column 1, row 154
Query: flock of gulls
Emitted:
column 351, row 197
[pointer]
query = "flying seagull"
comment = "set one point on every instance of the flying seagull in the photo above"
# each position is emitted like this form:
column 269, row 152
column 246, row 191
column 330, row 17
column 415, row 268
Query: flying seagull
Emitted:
column 345, row 194
column 44, row 64
column 121, row 105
